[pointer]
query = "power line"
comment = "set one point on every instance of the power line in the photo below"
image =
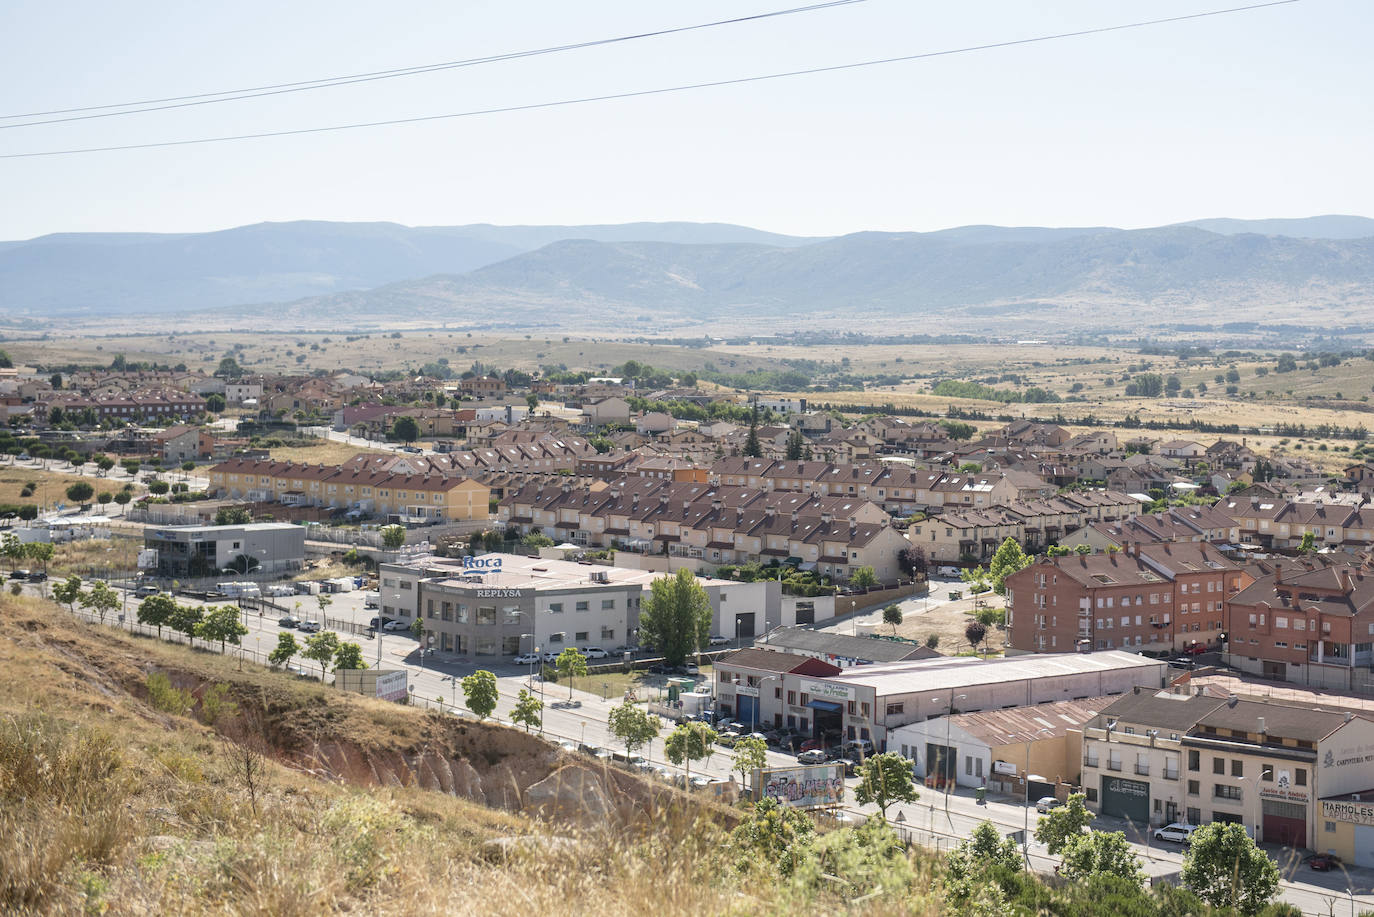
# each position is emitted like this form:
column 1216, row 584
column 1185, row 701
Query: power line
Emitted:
column 534, row 106
column 236, row 95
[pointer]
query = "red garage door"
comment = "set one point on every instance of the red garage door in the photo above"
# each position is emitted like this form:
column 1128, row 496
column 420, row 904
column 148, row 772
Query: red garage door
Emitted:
column 1285, row 823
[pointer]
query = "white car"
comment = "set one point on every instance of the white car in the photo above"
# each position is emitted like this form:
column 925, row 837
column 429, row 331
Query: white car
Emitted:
column 594, row 652
column 718, row 640
column 1180, row 832
column 309, row 627
column 528, row 659
column 395, row 626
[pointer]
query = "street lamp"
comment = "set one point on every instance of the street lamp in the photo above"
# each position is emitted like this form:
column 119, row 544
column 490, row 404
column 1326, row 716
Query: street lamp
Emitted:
column 759, row 701
column 946, row 761
column 1025, row 779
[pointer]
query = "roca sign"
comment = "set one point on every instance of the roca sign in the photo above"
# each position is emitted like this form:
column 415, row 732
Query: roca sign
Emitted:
column 482, row 563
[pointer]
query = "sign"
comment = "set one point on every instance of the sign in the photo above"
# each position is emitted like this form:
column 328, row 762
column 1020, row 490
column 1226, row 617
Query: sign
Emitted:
column 746, row 691
column 1127, row 787
column 1004, row 767
column 824, row 690
column 392, row 685
column 1355, row 813
column 801, row 787
column 498, row 593
column 1283, row 789
column 486, row 562
column 147, row 559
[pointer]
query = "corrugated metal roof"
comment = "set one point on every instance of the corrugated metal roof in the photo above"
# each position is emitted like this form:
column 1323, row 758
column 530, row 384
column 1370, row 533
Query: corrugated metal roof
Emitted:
column 946, row 672
column 1025, row 724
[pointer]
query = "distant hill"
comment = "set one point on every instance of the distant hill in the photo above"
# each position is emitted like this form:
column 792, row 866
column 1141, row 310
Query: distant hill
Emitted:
column 1182, row 272
column 1324, row 227
column 265, row 262
column 312, row 273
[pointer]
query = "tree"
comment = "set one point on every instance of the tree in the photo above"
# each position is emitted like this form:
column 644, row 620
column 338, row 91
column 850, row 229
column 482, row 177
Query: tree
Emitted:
column 188, row 466
column 1100, row 853
column 750, row 755
column 233, row 515
column 214, row 403
column 393, row 536
column 157, row 610
column 222, row 623
column 39, row 552
column 751, row 442
column 532, row 402
column 1062, row 823
column 912, row 561
column 985, row 849
column 69, row 591
column 417, row 630
column 229, row 369
column 406, row 429
column 1008, row 560
column 349, row 656
column 976, row 580
column 892, row 614
column 795, row 445
column 776, row 837
column 933, row 640
column 676, row 618
column 286, row 648
column 101, row 598
column 885, row 779
column 1308, row 545
column 974, row 632
column 324, row 601
column 13, row 549
column 80, row 492
column 1148, row 385
column 321, row 648
column 1224, row 868
column 863, row 578
column 131, row 466
column 104, row 498
column 528, row 709
column 689, row 742
column 570, row 664
column 159, row 487
column 632, row 725
column 5, row 361
column 184, row 620
column 480, row 693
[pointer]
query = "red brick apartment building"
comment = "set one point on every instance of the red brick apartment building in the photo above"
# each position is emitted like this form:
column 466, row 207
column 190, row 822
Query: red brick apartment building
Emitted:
column 1155, row 597
column 1306, row 620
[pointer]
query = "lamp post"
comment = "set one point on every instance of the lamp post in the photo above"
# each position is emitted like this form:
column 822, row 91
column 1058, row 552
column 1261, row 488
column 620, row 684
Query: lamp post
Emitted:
column 1025, row 778
column 758, row 702
column 946, row 756
column 533, row 651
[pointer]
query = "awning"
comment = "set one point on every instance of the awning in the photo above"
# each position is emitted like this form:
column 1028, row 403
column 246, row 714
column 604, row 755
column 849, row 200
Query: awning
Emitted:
column 825, row 705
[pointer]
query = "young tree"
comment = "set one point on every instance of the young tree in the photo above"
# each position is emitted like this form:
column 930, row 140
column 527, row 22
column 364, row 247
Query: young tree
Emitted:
column 324, row 601
column 570, row 664
column 892, row 614
column 795, row 445
column 104, row 498
column 157, row 610
column 985, row 850
column 775, row 837
column 123, row 498
column 974, row 632
column 912, row 561
column 885, row 779
column 1008, row 559
column 976, row 580
column 1100, row 853
column 1224, row 868
column 393, row 536
column 69, row 591
column 676, row 618
column 159, row 488
column 222, row 623
column 480, row 694
column 105, row 464
column 1063, row 823
column 417, row 630
column 863, row 578
column 632, row 725
column 321, row 648
column 214, row 403
column 39, row 552
column 1308, row 545
column 184, row 620
column 233, row 515
column 349, row 656
column 529, row 710
column 750, row 755
column 101, row 598
column 689, row 742
column 286, row 648
column 80, row 492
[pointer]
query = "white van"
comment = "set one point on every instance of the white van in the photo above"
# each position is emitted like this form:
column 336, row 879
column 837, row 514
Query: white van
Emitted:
column 949, row 571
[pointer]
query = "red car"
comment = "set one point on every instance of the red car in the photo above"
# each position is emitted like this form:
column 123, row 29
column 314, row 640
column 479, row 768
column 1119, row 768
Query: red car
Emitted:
column 813, row 745
column 1324, row 862
column 1196, row 649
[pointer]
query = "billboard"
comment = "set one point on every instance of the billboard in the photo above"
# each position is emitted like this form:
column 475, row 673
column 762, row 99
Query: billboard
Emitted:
column 384, row 684
column 803, row 786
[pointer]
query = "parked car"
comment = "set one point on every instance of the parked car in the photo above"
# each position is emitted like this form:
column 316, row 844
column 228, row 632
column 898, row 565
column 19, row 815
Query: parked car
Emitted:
column 394, row 626
column 625, row 648
column 1324, row 862
column 659, row 668
column 718, row 640
column 861, row 745
column 528, row 659
column 811, row 756
column 550, row 657
column 1180, row 832
column 37, row 576
column 594, row 652
column 379, row 622
column 727, row 739
column 813, row 745
column 688, row 669
column 288, row 621
column 19, row 574
column 1045, row 803
column 372, row 600
column 145, row 590
column 309, row 627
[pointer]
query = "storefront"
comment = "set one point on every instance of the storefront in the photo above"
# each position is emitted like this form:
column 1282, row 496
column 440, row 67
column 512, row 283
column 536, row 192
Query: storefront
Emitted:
column 1128, row 799
column 1347, row 828
column 1284, row 808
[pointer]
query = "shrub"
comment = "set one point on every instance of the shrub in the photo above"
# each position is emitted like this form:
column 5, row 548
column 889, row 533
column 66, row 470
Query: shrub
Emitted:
column 164, row 696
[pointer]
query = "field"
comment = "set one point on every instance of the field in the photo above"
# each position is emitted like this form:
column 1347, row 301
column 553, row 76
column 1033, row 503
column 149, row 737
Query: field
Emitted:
column 326, row 452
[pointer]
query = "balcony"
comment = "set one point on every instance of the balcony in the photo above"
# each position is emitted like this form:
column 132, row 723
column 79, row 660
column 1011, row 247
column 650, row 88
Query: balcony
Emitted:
column 1142, row 770
column 1090, row 761
column 1113, row 765
column 1171, row 774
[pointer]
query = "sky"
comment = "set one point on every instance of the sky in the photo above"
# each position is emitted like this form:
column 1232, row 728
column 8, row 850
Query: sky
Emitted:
column 1264, row 113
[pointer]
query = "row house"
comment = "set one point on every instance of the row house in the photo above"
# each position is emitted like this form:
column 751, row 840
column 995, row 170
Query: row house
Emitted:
column 404, row 497
column 966, row 535
column 713, row 525
column 1157, row 598
column 1176, row 524
column 482, row 387
column 1306, row 620
column 140, row 405
column 1277, row 767
column 1273, row 522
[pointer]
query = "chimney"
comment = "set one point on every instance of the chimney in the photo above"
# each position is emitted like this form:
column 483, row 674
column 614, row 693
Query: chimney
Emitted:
column 1262, row 730
column 1346, row 585
column 1278, row 574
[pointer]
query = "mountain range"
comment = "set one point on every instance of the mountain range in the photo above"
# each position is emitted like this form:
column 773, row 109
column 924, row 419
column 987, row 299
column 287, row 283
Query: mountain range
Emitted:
column 574, row 275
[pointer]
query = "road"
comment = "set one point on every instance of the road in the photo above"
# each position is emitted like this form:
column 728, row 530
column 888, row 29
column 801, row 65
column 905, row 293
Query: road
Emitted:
column 935, row 820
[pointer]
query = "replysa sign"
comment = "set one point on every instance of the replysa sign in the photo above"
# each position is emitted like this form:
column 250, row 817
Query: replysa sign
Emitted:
column 487, row 563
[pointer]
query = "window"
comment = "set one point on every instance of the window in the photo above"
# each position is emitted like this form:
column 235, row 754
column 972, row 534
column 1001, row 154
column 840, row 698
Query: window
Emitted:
column 486, row 614
column 556, row 608
column 792, row 698
column 608, row 604
column 1219, row 765
column 1193, row 788
column 895, row 709
column 581, row 606
column 1221, row 791
column 608, row 633
column 1267, row 773
column 580, row 636
column 407, row 584
column 853, row 707
column 1300, row 776
column 1237, row 767
column 1194, row 816
column 1329, row 827
column 1113, row 760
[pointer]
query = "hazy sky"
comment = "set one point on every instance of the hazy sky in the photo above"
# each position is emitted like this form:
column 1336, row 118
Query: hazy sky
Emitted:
column 1256, row 114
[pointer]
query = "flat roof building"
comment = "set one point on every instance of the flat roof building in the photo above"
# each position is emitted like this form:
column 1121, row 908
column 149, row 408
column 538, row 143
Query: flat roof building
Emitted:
column 208, row 550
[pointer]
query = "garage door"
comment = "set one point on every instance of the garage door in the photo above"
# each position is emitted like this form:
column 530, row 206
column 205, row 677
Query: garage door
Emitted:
column 1285, row 823
column 1364, row 846
column 1128, row 799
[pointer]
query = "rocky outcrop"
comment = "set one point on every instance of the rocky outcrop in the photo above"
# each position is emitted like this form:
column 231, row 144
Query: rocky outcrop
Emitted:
column 573, row 794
